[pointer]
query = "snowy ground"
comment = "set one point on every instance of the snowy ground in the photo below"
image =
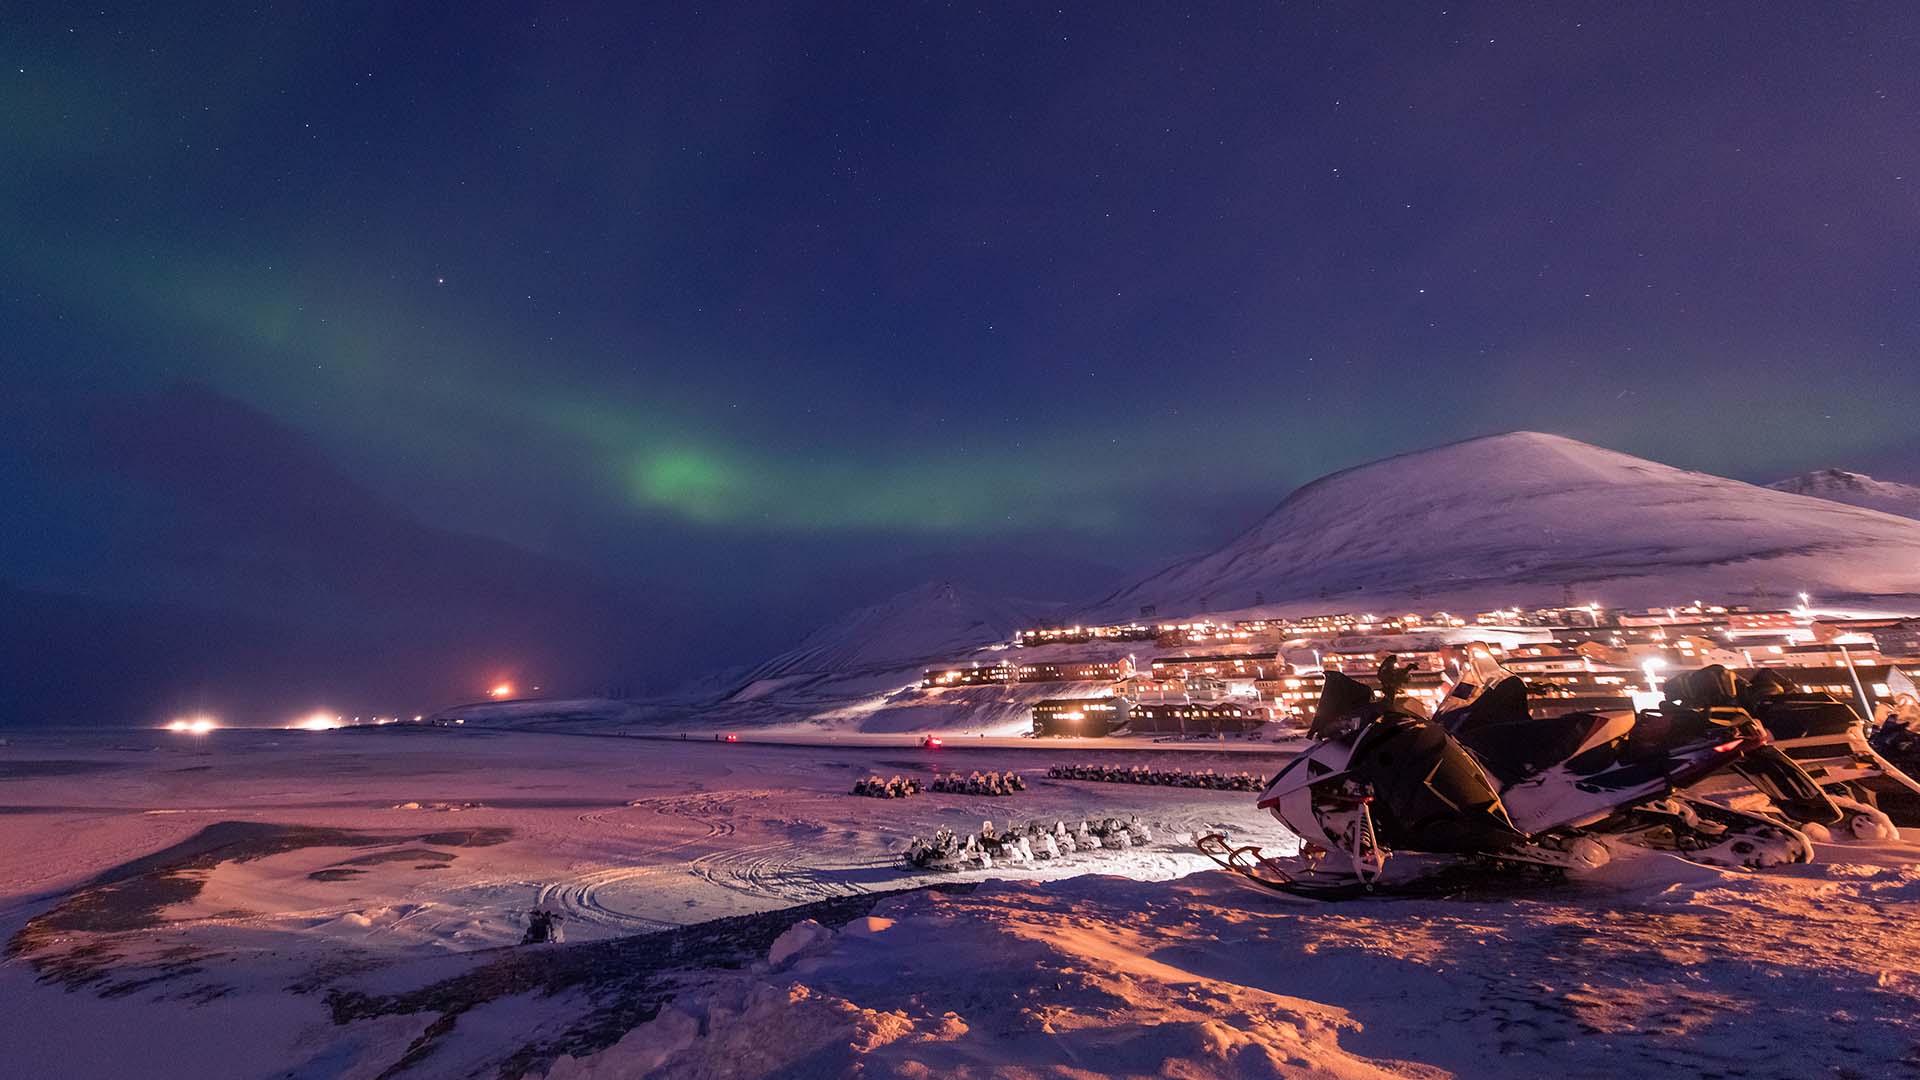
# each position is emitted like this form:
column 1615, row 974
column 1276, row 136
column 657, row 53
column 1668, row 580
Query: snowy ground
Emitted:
column 342, row 904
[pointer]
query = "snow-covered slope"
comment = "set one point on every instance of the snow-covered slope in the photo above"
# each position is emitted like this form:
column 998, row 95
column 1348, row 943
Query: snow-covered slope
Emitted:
column 1525, row 517
column 1855, row 489
column 924, row 624
column 884, row 647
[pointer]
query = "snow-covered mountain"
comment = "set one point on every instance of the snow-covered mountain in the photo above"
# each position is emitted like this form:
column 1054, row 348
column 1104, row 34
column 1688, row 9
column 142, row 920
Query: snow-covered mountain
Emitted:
column 1521, row 518
column 1527, row 517
column 1855, row 489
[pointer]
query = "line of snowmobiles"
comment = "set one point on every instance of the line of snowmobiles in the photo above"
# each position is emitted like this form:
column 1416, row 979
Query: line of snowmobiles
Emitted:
column 1017, row 846
column 1140, row 774
column 978, row 783
column 1385, row 797
column 894, row 788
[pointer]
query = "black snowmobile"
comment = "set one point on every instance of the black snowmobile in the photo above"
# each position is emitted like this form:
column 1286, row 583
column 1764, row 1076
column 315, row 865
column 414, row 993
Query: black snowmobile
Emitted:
column 543, row 928
column 1822, row 735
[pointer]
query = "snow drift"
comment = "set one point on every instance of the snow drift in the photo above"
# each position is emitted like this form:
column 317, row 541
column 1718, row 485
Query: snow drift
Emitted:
column 1643, row 974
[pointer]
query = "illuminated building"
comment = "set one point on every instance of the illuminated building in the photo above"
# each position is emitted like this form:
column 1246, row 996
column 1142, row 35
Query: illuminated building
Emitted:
column 1819, row 655
column 1072, row 671
column 1078, row 716
column 1674, row 616
column 1554, row 663
column 1761, row 622
column 968, row 675
column 1250, row 666
column 1079, row 635
column 1364, row 661
column 1891, row 637
column 1196, row 718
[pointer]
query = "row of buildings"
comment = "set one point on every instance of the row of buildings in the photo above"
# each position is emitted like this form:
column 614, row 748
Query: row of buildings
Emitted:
column 1235, row 632
column 1103, row 716
column 1737, row 618
column 1005, row 671
column 1591, row 658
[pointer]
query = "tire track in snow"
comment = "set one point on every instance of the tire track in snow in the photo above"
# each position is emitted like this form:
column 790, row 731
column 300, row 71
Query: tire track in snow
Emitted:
column 595, row 896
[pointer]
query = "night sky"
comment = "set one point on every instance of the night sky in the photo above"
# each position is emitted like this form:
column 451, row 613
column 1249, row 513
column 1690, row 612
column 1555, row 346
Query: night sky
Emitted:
column 358, row 356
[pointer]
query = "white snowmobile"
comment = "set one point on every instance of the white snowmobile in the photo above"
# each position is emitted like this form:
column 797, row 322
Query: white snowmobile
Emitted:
column 1010, row 846
column 1484, row 782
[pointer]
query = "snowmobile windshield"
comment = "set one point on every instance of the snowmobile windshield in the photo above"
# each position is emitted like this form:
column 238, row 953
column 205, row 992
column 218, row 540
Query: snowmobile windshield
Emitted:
column 1341, row 697
column 1502, row 703
column 1901, row 685
column 1799, row 716
column 1515, row 748
column 1479, row 674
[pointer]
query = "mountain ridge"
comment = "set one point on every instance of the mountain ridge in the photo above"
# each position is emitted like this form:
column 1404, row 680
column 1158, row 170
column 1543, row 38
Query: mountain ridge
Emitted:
column 1855, row 489
column 1524, row 516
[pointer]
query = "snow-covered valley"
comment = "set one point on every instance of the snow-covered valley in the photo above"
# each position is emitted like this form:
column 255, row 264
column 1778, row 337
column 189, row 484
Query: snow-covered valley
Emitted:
column 346, row 903
column 350, row 903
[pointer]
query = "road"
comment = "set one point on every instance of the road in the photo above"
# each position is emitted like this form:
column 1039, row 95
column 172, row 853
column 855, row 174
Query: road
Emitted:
column 912, row 741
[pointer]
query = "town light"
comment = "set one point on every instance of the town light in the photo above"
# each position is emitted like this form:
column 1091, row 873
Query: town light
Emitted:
column 193, row 725
column 319, row 721
column 501, row 690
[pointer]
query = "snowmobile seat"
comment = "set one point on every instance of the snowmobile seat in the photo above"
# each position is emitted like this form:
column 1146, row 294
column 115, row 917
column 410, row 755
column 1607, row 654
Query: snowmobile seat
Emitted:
column 1800, row 716
column 1505, row 702
column 1515, row 749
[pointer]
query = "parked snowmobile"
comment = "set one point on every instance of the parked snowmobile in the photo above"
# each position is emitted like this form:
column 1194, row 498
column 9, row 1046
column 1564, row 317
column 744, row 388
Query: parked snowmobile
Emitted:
column 1485, row 781
column 945, row 850
column 1819, row 734
column 1712, row 707
column 1895, row 741
column 543, row 928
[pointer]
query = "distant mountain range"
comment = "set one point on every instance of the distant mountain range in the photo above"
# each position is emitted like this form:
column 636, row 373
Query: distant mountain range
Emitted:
column 1855, row 489
column 248, row 564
